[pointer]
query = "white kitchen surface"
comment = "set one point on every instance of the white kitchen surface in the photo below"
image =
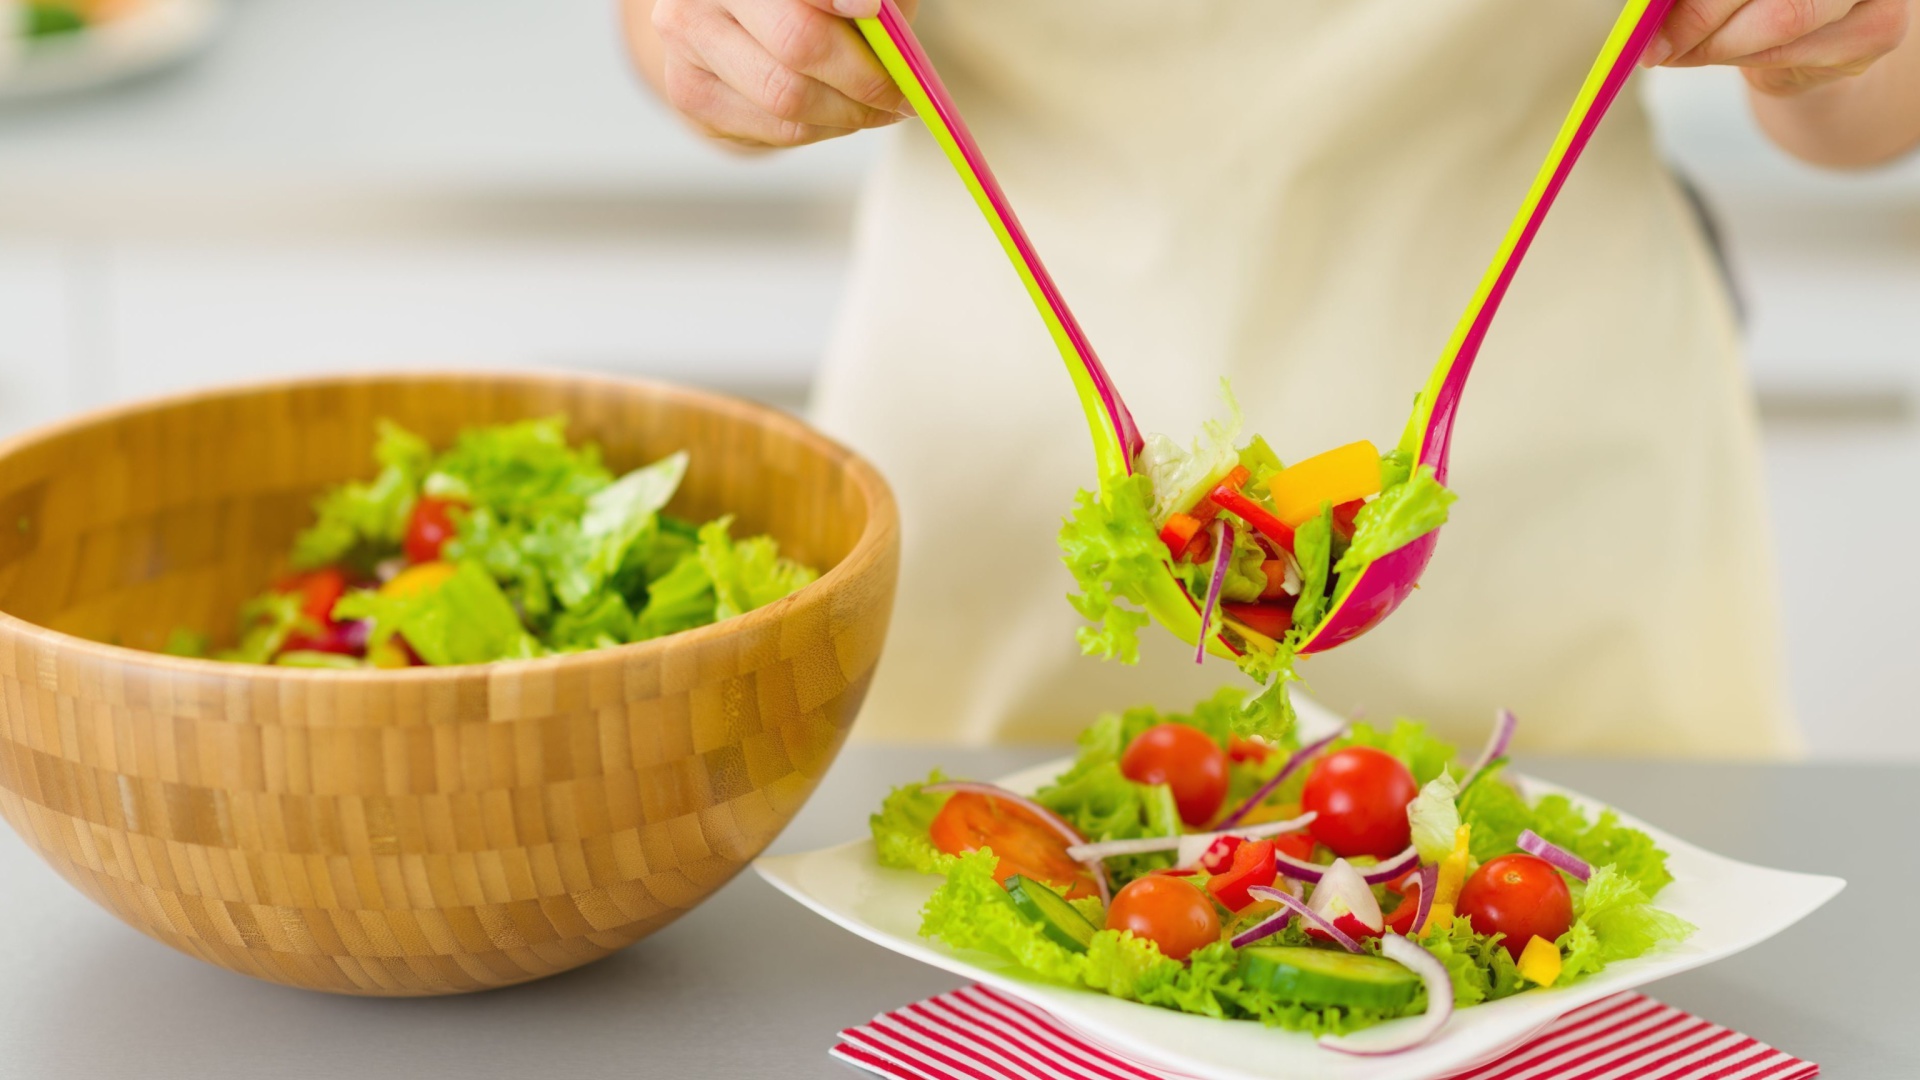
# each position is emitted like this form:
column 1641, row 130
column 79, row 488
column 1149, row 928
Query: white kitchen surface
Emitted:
column 362, row 184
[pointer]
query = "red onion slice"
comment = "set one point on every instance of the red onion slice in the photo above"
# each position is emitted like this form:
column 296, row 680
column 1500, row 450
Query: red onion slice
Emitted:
column 1560, row 858
column 1053, row 821
column 1300, row 757
column 1504, row 723
column 1291, row 906
column 1374, row 875
column 1411, row 1032
column 1143, row 845
column 1222, row 558
column 1429, row 880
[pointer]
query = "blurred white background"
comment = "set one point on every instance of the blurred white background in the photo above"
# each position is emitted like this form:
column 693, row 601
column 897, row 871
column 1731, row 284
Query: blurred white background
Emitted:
column 341, row 184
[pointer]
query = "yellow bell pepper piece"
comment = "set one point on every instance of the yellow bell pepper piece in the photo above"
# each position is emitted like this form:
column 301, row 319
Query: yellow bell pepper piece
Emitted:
column 1338, row 476
column 1453, row 875
column 415, row 580
column 1540, row 961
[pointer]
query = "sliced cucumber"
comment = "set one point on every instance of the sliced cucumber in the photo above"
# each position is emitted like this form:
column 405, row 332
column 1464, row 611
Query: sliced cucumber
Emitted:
column 1325, row 977
column 1058, row 920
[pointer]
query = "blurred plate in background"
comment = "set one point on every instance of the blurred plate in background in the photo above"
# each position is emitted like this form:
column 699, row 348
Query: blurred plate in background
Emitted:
column 152, row 35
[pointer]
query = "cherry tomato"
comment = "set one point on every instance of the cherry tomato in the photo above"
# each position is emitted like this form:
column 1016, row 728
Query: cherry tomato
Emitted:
column 1168, row 911
column 1273, row 619
column 430, row 527
column 1361, row 795
column 1520, row 896
column 1247, row 750
column 1022, row 843
column 1252, row 865
column 1185, row 759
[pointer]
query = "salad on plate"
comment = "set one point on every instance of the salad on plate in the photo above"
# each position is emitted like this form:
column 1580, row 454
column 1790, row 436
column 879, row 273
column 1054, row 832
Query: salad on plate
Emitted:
column 1325, row 888
column 1263, row 550
column 509, row 544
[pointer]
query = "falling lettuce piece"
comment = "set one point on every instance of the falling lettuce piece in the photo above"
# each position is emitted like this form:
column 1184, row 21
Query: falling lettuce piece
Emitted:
column 1110, row 546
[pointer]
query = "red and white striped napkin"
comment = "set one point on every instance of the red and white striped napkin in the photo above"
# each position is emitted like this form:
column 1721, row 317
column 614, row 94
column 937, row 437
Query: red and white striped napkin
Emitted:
column 978, row 1033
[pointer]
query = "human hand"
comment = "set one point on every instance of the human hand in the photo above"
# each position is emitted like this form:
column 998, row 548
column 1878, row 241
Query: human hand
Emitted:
column 765, row 73
column 1783, row 47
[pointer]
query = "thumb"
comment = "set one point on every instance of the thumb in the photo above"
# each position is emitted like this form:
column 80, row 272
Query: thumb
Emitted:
column 852, row 9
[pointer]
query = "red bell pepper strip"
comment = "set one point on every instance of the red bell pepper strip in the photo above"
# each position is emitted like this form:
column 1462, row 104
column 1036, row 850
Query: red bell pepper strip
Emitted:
column 1253, row 864
column 1343, row 516
column 1272, row 620
column 1255, row 515
column 1179, row 532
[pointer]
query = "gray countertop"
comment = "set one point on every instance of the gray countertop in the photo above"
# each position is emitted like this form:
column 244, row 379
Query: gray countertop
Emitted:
column 751, row 984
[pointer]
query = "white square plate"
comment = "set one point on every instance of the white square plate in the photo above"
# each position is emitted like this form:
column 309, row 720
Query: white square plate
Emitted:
column 1735, row 905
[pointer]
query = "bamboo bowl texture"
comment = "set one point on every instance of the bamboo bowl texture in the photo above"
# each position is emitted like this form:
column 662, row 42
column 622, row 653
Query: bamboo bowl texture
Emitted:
column 419, row 832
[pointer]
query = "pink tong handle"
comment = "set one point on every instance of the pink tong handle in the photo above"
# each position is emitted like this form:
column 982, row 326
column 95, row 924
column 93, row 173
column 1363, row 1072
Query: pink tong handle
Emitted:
column 1388, row 580
column 1116, row 436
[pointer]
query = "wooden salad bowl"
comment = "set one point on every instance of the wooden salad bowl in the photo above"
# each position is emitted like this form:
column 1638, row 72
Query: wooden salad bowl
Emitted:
column 425, row 831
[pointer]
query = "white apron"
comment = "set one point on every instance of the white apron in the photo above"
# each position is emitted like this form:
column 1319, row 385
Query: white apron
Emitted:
column 1301, row 195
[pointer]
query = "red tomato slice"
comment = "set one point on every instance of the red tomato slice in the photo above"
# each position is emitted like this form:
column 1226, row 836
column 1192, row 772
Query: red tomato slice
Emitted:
column 1185, row 759
column 1168, row 911
column 1252, row 865
column 1021, row 843
column 430, row 527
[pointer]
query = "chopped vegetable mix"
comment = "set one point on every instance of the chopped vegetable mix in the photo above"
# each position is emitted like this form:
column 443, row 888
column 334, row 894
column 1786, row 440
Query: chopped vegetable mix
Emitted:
column 508, row 544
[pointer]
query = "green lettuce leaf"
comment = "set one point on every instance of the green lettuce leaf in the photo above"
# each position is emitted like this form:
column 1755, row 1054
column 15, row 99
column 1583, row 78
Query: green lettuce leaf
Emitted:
column 1313, row 549
column 522, row 470
column 266, row 622
column 1104, row 805
column 971, row 911
column 617, row 517
column 746, row 574
column 900, row 836
column 1614, row 920
column 360, row 522
column 680, row 599
column 464, row 620
column 1435, row 817
column 1401, row 515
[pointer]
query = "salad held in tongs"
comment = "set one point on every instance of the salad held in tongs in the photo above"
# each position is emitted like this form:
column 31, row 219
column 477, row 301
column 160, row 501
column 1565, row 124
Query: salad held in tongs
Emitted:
column 1263, row 550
